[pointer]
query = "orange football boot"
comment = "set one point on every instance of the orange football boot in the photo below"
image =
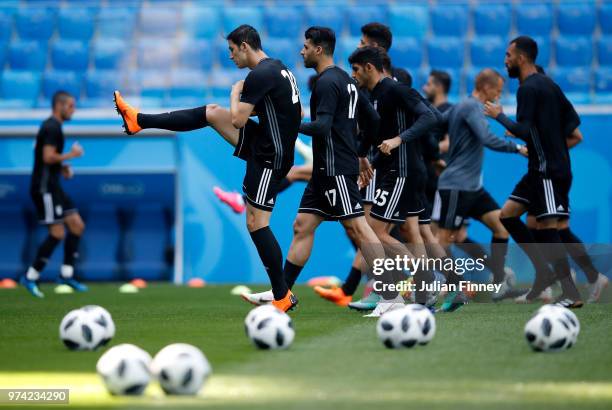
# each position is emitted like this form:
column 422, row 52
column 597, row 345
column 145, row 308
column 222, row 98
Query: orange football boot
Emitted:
column 287, row 303
column 128, row 113
column 335, row 295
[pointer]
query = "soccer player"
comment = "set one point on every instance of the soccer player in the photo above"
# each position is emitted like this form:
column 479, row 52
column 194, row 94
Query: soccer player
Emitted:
column 379, row 35
column 53, row 206
column 545, row 118
column 460, row 191
column 271, row 91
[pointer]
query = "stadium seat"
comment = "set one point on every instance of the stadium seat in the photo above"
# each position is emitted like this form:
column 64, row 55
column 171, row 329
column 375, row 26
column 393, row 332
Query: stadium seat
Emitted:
column 406, row 53
column 56, row 80
column 285, row 50
column 449, row 20
column 3, row 54
column 576, row 19
column 13, row 239
column 533, row 19
column 409, row 20
column 151, row 55
column 27, row 55
column 236, row 16
column 102, row 83
column 152, row 83
column 220, row 81
column 574, row 51
column 543, row 51
column 492, row 20
column 75, row 23
column 108, row 53
column 116, row 22
column 100, row 244
column 361, row 15
column 223, row 55
column 160, row 22
column 6, row 26
column 283, row 22
column 603, row 85
column 327, row 16
column 487, row 51
column 186, row 84
column 604, row 51
column 20, row 85
column 35, row 23
column 196, row 54
column 575, row 83
column 605, row 18
column 70, row 55
column 344, row 48
column 201, row 22
column 445, row 52
column 146, row 243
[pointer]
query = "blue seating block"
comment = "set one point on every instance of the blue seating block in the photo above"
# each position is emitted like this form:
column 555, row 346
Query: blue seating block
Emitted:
column 543, row 51
column 70, row 55
column 56, row 80
column 605, row 18
column 487, row 51
column 576, row 19
column 201, row 22
column 116, row 22
column 406, row 52
column 409, row 20
column 75, row 23
column 575, row 82
column 187, row 83
column 108, row 53
column 603, row 85
column 236, row 16
column 13, row 237
column 20, row 85
column 604, row 51
column 492, row 20
column 449, row 20
column 196, row 54
column 159, row 21
column 285, row 50
column 574, row 51
column 533, row 19
column 446, row 52
column 284, row 22
column 359, row 16
column 101, row 83
column 327, row 16
column 152, row 56
column 27, row 55
column 6, row 26
column 35, row 23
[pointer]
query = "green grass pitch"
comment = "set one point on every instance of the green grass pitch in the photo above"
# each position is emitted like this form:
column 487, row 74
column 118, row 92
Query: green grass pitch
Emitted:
column 478, row 359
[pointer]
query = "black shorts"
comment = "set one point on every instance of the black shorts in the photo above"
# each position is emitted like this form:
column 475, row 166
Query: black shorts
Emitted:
column 53, row 206
column 261, row 184
column 425, row 215
column 544, row 197
column 367, row 193
column 332, row 197
column 456, row 206
column 397, row 198
column 246, row 134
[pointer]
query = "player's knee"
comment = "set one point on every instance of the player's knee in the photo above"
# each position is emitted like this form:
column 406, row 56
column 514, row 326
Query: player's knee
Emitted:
column 301, row 227
column 212, row 113
column 57, row 231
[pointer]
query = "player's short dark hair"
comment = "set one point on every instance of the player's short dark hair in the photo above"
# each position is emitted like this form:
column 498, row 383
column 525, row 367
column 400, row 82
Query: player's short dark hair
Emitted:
column 379, row 33
column 323, row 37
column 441, row 78
column 527, row 46
column 386, row 62
column 245, row 34
column 60, row 97
column 365, row 55
column 489, row 77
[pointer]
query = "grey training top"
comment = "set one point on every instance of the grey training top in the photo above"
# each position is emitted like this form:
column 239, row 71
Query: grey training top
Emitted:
column 469, row 133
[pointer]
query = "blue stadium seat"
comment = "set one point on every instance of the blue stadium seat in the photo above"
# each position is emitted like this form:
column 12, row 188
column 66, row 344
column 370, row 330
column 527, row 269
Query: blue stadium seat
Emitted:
column 284, row 22
column 6, row 26
column 75, row 23
column 236, row 16
column 13, row 239
column 100, row 84
column 221, row 81
column 327, row 16
column 152, row 55
column 187, row 84
column 575, row 82
column 603, row 85
column 406, row 52
column 70, row 55
column 487, row 51
column 533, row 19
column 359, row 16
column 20, row 85
column 35, row 23
column 344, row 48
column 605, row 18
column 492, row 20
column 223, row 55
column 56, row 80
column 27, row 55
column 409, row 20
column 449, row 20
column 196, row 54
column 116, row 22
column 604, row 51
column 201, row 22
column 108, row 53
column 146, row 242
column 576, row 19
column 3, row 54
column 151, row 83
column 100, row 244
column 159, row 21
column 283, row 49
column 574, row 51
column 445, row 52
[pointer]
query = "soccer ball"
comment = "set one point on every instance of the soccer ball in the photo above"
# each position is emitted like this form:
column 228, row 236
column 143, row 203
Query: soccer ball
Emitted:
column 399, row 328
column 568, row 316
column 79, row 331
column 425, row 322
column 124, row 369
column 181, row 369
column 269, row 328
column 548, row 332
column 104, row 319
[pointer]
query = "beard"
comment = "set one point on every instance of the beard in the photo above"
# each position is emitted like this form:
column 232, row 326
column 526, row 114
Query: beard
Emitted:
column 309, row 63
column 513, row 72
column 430, row 97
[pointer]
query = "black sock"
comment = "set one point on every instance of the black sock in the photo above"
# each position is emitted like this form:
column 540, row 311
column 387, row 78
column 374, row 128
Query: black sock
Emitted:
column 556, row 254
column 352, row 281
column 284, row 184
column 71, row 249
column 291, row 273
column 499, row 250
column 45, row 250
column 579, row 254
column 183, row 120
column 474, row 249
column 272, row 259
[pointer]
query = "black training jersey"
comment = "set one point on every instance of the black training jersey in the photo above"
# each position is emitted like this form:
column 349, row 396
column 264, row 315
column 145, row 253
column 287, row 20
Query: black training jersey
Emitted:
column 336, row 93
column 551, row 117
column 401, row 76
column 273, row 90
column 395, row 104
column 46, row 178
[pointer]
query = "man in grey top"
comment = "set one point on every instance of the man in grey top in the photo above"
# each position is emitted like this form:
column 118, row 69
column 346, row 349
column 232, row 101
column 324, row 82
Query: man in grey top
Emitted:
column 460, row 191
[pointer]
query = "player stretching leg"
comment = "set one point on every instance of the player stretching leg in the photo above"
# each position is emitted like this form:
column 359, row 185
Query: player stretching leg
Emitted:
column 267, row 147
column 53, row 206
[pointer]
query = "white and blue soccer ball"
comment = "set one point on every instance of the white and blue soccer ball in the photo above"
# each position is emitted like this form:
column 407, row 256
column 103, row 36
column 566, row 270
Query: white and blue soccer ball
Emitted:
column 399, row 329
column 567, row 316
column 124, row 369
column 181, row 369
column 548, row 331
column 104, row 319
column 269, row 328
column 80, row 331
column 424, row 320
